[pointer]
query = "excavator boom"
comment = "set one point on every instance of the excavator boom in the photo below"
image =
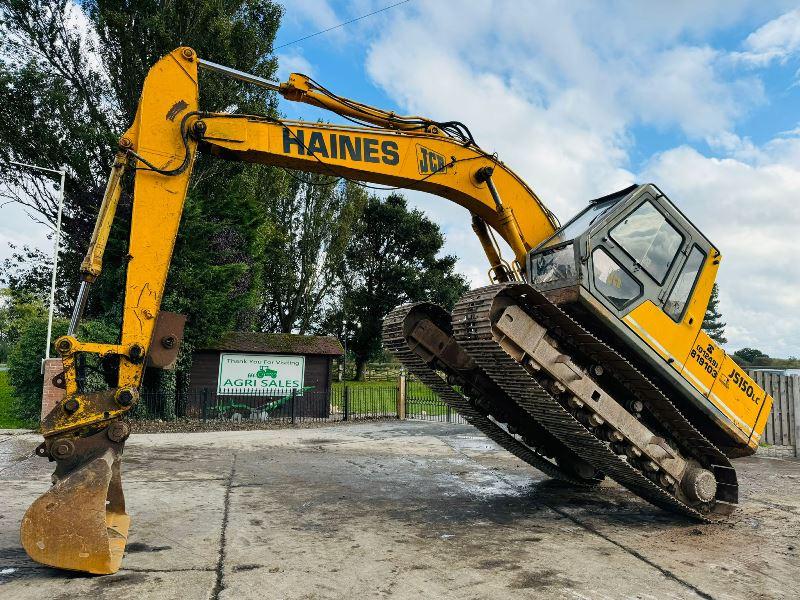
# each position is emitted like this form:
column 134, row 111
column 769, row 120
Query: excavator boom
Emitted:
column 82, row 433
column 501, row 340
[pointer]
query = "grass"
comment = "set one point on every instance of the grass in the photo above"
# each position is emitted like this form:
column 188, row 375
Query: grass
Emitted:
column 366, row 397
column 7, row 421
column 380, row 397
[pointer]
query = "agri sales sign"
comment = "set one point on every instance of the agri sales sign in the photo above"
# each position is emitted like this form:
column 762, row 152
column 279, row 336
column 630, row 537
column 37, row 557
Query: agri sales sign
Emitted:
column 269, row 374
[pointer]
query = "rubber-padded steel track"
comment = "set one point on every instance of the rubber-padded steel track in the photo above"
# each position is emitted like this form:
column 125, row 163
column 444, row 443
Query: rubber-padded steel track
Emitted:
column 394, row 340
column 472, row 327
column 588, row 346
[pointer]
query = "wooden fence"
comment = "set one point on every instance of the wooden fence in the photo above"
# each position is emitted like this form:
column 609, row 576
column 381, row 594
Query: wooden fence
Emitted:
column 783, row 425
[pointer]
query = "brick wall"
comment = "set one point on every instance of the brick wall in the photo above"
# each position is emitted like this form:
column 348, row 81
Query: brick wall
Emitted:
column 51, row 395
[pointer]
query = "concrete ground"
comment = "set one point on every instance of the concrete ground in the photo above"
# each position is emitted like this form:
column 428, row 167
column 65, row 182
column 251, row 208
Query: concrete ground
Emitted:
column 400, row 510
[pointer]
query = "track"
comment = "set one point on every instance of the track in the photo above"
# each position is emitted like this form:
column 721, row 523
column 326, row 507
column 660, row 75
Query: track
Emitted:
column 472, row 326
column 395, row 340
column 592, row 349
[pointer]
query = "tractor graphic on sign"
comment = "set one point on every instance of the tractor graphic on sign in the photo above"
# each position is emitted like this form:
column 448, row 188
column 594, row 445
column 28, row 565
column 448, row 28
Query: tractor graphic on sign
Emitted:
column 265, row 371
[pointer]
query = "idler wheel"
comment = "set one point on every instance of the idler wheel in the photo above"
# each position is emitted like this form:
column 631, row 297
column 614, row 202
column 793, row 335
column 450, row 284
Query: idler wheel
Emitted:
column 700, row 484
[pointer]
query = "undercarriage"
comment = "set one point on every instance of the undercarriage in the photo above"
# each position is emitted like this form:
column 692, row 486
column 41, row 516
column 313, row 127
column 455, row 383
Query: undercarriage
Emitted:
column 540, row 385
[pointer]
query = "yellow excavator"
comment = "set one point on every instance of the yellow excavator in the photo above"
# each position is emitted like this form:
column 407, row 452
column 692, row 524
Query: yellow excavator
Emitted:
column 584, row 356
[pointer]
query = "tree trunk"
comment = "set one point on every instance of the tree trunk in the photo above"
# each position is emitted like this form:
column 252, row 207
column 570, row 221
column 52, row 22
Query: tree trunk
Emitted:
column 360, row 368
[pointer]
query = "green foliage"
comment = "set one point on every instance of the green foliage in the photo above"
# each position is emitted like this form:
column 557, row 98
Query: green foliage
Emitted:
column 214, row 277
column 25, row 359
column 752, row 357
column 7, row 418
column 304, row 247
column 391, row 259
column 24, row 366
column 712, row 321
column 70, row 93
column 16, row 307
column 96, row 330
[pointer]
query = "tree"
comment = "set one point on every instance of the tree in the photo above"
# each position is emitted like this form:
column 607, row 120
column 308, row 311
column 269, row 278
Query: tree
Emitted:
column 392, row 258
column 5, row 324
column 69, row 93
column 17, row 307
column 71, row 90
column 751, row 357
column 712, row 321
column 311, row 221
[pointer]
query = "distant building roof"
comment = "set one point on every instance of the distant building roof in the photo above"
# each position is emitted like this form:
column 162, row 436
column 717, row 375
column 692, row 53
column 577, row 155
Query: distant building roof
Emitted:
column 779, row 370
column 278, row 343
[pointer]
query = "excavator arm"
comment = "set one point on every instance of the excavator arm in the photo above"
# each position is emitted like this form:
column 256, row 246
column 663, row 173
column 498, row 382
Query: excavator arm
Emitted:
column 80, row 523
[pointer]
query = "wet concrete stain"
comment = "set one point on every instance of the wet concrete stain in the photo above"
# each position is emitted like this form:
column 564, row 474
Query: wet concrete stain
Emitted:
column 317, row 441
column 141, row 547
column 239, row 568
column 539, row 580
column 502, row 565
column 102, row 583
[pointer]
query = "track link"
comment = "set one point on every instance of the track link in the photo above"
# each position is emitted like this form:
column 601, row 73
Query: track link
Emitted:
column 473, row 329
column 395, row 340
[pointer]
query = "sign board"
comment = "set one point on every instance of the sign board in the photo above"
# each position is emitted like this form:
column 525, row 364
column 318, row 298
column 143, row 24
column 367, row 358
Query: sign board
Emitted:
column 267, row 374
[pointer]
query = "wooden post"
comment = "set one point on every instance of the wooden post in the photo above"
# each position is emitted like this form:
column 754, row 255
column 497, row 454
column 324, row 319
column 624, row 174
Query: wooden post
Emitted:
column 401, row 395
column 795, row 399
column 774, row 433
column 786, row 436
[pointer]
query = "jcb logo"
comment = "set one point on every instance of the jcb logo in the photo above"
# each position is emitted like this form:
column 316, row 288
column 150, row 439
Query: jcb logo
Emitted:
column 429, row 162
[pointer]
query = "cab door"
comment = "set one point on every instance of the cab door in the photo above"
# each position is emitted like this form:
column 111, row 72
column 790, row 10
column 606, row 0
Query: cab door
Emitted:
column 647, row 247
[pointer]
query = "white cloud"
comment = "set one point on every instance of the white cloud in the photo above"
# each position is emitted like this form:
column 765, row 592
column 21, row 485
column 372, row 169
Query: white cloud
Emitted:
column 776, row 40
column 570, row 148
column 749, row 211
column 17, row 228
column 558, row 94
column 293, row 61
column 315, row 13
column 795, row 131
column 683, row 87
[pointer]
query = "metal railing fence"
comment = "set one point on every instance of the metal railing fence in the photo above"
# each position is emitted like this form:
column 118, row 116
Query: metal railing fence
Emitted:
column 342, row 402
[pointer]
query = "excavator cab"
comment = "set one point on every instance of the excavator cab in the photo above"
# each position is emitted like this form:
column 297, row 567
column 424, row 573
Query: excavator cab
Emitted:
column 621, row 251
column 640, row 273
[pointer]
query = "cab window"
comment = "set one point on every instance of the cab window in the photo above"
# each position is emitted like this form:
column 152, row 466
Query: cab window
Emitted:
column 581, row 223
column 679, row 296
column 613, row 281
column 649, row 239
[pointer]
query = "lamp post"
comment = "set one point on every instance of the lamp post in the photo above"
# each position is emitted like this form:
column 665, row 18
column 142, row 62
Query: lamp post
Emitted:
column 62, row 172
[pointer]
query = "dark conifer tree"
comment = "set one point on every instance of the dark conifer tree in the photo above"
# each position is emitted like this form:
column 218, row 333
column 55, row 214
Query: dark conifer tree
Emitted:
column 713, row 324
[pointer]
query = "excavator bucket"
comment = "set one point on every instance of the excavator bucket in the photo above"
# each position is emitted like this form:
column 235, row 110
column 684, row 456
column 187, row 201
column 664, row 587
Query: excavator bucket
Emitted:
column 80, row 523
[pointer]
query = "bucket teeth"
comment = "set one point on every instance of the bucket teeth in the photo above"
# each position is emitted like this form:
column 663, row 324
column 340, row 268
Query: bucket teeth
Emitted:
column 80, row 523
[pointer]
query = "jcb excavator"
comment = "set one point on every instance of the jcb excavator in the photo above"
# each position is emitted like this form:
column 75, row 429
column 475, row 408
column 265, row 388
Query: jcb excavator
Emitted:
column 584, row 357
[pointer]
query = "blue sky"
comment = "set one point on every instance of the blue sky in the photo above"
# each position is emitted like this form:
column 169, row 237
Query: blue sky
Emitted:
column 583, row 98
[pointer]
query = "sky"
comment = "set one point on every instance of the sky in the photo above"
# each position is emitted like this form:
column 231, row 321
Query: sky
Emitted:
column 582, row 99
